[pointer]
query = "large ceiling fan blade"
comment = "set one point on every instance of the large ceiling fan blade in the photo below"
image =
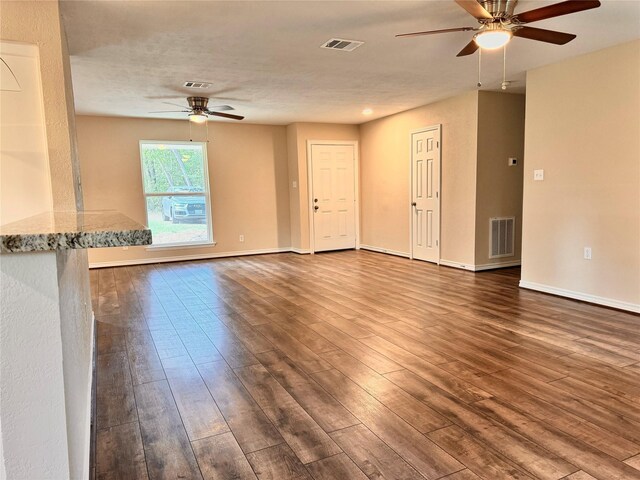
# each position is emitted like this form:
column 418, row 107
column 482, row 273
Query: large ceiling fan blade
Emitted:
column 225, row 115
column 475, row 9
column 220, row 108
column 556, row 10
column 172, row 111
column 432, row 32
column 541, row 35
column 470, row 48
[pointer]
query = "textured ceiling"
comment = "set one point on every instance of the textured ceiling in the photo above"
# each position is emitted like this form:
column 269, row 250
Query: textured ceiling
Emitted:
column 263, row 57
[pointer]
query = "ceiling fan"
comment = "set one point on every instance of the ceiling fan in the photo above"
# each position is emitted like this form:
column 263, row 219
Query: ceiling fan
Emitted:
column 199, row 112
column 498, row 23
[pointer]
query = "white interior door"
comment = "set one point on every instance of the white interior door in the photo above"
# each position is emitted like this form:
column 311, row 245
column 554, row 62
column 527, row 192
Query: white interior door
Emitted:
column 333, row 196
column 425, row 195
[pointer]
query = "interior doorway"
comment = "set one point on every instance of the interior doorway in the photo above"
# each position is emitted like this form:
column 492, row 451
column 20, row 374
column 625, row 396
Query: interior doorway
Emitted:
column 425, row 194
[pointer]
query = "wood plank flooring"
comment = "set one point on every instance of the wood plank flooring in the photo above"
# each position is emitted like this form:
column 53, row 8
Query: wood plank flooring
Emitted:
column 354, row 365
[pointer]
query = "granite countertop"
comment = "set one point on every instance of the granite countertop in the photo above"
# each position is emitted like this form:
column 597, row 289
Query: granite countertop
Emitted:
column 72, row 230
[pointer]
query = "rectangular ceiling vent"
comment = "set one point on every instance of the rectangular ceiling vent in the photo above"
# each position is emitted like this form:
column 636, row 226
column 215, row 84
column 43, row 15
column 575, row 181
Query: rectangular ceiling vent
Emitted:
column 501, row 237
column 341, row 44
column 197, row 85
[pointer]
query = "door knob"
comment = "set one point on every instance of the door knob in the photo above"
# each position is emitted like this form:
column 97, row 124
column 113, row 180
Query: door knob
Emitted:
column 316, row 208
column 414, row 204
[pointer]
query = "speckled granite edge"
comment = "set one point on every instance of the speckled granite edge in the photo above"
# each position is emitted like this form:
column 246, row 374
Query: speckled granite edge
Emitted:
column 73, row 240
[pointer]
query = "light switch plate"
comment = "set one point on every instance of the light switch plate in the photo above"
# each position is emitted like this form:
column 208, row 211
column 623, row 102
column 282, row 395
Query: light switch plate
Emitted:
column 294, row 184
column 513, row 161
column 538, row 175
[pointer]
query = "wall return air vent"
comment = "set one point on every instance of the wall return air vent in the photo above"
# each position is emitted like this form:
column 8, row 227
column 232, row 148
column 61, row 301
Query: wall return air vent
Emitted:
column 501, row 237
column 341, row 44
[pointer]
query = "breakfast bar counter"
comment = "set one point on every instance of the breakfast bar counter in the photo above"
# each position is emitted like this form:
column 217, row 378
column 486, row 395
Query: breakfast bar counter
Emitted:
column 72, row 230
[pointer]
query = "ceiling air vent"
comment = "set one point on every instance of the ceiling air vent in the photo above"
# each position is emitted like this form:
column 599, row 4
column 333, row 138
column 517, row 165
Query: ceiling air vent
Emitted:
column 341, row 44
column 197, row 85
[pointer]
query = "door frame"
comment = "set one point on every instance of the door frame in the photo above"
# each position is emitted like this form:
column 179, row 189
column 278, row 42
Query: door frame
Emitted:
column 356, row 186
column 437, row 127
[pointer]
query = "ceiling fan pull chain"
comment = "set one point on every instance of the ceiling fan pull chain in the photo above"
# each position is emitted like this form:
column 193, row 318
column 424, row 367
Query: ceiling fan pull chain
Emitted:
column 504, row 68
column 479, row 67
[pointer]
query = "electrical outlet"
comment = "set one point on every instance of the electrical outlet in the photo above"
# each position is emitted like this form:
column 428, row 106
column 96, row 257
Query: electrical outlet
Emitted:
column 125, row 248
column 538, row 175
column 513, row 161
column 241, row 238
column 587, row 253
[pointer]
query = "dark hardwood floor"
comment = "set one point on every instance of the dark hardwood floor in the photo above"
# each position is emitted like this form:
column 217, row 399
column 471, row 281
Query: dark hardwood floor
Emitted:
column 355, row 365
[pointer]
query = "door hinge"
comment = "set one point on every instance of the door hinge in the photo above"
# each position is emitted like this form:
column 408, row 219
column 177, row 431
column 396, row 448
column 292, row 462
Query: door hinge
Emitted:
column 437, row 195
column 436, row 243
column 438, row 144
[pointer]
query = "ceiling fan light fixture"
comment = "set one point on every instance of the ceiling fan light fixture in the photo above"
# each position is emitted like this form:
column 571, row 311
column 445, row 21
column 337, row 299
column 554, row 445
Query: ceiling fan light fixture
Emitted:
column 197, row 117
column 492, row 39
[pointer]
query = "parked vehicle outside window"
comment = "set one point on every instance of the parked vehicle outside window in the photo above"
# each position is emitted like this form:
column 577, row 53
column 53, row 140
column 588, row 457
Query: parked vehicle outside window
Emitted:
column 177, row 209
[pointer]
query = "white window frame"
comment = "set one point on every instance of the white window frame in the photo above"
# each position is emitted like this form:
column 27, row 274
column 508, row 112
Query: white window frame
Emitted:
column 206, row 193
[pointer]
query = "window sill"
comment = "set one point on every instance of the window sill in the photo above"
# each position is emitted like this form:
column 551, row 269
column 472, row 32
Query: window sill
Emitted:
column 178, row 246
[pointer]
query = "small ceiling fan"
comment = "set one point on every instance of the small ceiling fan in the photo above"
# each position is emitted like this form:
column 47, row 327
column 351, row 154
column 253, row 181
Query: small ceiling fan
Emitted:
column 199, row 112
column 499, row 23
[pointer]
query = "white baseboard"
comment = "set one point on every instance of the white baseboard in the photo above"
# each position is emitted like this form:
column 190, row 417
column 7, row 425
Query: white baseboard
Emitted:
column 585, row 297
column 492, row 266
column 384, row 250
column 462, row 266
column 182, row 258
column 479, row 268
column 301, row 251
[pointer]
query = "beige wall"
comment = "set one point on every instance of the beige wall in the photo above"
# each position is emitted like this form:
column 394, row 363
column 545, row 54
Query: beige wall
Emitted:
column 583, row 129
column 38, row 23
column 248, row 177
column 251, row 167
column 25, row 186
column 298, row 134
column 294, row 192
column 385, row 172
column 275, row 214
column 499, row 186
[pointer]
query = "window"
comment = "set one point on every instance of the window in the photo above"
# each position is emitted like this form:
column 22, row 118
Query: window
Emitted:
column 176, row 190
